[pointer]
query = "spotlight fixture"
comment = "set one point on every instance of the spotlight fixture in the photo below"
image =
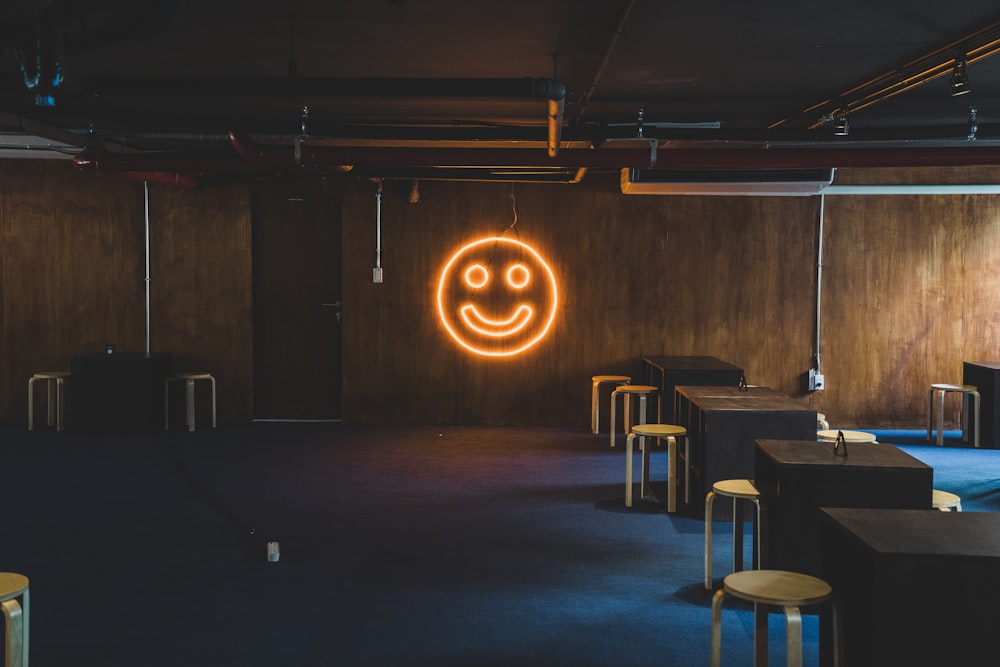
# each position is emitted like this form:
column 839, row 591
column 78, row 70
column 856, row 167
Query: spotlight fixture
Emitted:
column 842, row 126
column 960, row 79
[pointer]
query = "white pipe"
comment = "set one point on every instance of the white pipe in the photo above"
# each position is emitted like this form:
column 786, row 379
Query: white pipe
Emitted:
column 938, row 189
column 819, row 281
column 145, row 186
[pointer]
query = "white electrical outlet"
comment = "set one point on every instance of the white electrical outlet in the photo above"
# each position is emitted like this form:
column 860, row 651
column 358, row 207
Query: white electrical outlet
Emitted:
column 816, row 380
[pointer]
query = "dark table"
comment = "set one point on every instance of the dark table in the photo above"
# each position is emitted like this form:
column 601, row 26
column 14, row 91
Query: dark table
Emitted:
column 798, row 477
column 666, row 372
column 722, row 431
column 916, row 587
column 118, row 394
column 985, row 375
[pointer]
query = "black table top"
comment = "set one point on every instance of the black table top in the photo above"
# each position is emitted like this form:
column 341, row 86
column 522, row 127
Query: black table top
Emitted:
column 859, row 454
column 922, row 532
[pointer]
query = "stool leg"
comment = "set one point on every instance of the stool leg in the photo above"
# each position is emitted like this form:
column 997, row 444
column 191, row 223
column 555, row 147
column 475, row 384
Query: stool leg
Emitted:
column 60, row 390
column 758, row 539
column 644, row 484
column 672, row 474
column 793, row 637
column 212, row 379
column 594, row 410
column 940, row 419
column 611, row 416
column 51, row 407
column 709, row 499
column 760, row 635
column 31, row 404
column 166, row 404
column 930, row 412
column 190, row 405
column 975, row 417
column 16, row 629
column 687, row 470
column 628, row 469
column 642, row 420
column 627, row 413
column 717, row 627
column 737, row 535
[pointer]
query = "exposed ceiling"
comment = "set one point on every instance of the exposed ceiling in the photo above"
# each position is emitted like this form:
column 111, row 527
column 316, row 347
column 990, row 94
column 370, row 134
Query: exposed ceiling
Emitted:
column 512, row 90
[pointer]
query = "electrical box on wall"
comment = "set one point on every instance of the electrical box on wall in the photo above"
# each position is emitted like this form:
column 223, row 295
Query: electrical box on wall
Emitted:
column 816, row 380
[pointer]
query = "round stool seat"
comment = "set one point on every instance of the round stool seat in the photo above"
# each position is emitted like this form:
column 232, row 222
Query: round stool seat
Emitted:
column 12, row 585
column 943, row 500
column 659, row 430
column 944, row 386
column 736, row 488
column 849, row 436
column 191, row 376
column 611, row 378
column 51, row 375
column 635, row 389
column 777, row 587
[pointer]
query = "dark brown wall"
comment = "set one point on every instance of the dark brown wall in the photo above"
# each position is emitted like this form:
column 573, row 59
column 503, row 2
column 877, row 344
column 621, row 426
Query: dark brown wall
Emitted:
column 909, row 290
column 72, row 277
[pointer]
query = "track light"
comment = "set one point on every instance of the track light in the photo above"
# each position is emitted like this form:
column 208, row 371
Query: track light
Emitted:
column 960, row 79
column 842, row 126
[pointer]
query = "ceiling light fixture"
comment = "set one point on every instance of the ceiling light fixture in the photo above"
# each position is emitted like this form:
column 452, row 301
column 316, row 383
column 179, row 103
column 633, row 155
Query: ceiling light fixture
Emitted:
column 842, row 126
column 960, row 79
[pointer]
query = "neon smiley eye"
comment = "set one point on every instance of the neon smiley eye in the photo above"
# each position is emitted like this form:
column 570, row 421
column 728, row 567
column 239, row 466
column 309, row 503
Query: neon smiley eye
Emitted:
column 518, row 276
column 477, row 276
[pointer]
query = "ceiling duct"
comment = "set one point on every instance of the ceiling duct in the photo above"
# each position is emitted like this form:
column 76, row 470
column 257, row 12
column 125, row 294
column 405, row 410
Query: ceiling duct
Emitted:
column 760, row 182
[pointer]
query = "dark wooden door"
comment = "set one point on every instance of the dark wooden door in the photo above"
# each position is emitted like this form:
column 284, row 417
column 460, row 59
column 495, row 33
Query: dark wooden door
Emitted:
column 296, row 302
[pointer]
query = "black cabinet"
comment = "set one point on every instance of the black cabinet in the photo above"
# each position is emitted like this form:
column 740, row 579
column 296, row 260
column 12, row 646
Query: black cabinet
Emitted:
column 118, row 394
column 666, row 372
column 985, row 375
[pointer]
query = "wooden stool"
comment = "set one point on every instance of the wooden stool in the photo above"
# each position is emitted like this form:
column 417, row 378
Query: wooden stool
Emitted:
column 627, row 391
column 55, row 407
column 659, row 431
column 14, row 599
column 944, row 501
column 940, row 390
column 189, row 379
column 821, row 422
column 737, row 489
column 595, row 411
column 779, row 588
column 830, row 435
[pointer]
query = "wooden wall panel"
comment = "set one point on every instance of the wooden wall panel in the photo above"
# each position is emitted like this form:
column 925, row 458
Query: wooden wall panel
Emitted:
column 908, row 293
column 639, row 275
column 200, row 289
column 71, row 269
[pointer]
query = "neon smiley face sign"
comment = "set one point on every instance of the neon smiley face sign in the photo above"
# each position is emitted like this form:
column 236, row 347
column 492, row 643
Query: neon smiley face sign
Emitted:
column 497, row 297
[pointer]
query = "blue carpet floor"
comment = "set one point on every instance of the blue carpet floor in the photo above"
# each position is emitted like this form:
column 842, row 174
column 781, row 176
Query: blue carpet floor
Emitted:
column 417, row 546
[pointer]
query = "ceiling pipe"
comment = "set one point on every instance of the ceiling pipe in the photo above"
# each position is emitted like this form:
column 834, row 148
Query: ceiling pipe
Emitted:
column 325, row 159
column 317, row 88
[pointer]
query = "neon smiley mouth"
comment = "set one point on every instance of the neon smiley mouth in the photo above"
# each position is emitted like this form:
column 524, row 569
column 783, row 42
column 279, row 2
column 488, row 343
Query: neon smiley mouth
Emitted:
column 496, row 328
